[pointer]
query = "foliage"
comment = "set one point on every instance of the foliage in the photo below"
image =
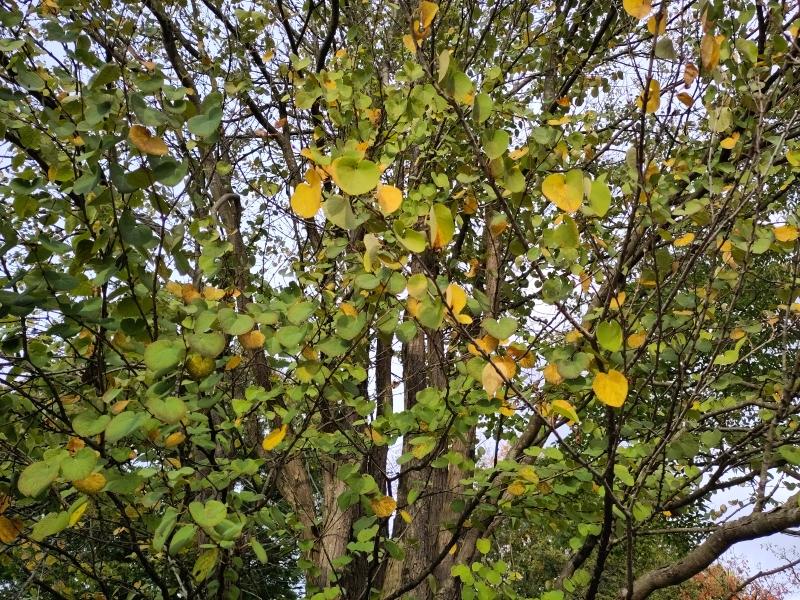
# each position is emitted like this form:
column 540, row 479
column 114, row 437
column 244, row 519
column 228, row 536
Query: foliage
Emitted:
column 279, row 278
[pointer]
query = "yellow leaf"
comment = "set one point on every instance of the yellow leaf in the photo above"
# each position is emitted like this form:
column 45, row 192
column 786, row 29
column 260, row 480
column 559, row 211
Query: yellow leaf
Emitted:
column 174, row 439
column 529, row 475
column 456, row 299
column 551, row 374
column 118, row 407
column 729, row 142
column 690, row 73
column 9, row 529
column 409, row 43
column 566, row 196
column 274, row 437
column 74, row 444
column 785, row 233
column 737, row 334
column 427, row 12
column 685, row 98
column 78, row 513
column 404, row 514
column 516, row 489
column 684, row 240
column 233, row 362
column 573, row 336
column 384, row 506
column 92, row 484
column 212, row 293
column 709, row 52
column 518, row 153
column 563, row 120
column 306, row 200
column 389, row 198
column 483, row 345
column 566, row 409
column 635, row 340
column 174, row 288
column 618, row 301
column 188, row 293
column 611, row 388
column 638, row 9
column 141, row 138
column 506, row 409
column 653, row 97
column 252, row 340
column 348, row 309
column 657, row 24
column 496, row 372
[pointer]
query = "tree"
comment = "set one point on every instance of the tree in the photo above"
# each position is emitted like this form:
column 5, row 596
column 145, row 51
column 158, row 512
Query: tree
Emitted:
column 248, row 248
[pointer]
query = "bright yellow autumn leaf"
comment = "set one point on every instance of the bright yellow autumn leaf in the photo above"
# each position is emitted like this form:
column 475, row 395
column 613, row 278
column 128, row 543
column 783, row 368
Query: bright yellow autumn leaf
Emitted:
column 92, row 484
column 483, row 345
column 566, row 195
column 638, row 9
column 176, row 438
column 566, row 409
column 406, row 516
column 389, row 198
column 684, row 240
column 212, row 293
column 456, row 299
column 252, row 340
column 516, row 489
column 617, row 301
column 78, row 513
column 709, row 51
column 427, row 13
column 306, row 200
column 384, row 506
column 785, row 233
column 653, row 97
column 730, row 142
column 496, row 372
column 233, row 362
column 551, row 374
column 611, row 388
column 144, row 142
column 274, row 437
column 657, row 24
column 635, row 340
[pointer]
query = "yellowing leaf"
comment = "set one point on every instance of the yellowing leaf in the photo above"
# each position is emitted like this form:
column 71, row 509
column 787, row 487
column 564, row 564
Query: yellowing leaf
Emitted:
column 618, row 301
column 657, row 24
column 709, row 52
column 306, row 200
column 496, row 371
column 384, row 506
column 78, row 513
column 565, row 191
column 684, row 240
column 551, row 374
column 737, row 334
column 638, row 9
column 348, row 309
column 785, row 233
column 92, row 484
column 409, row 43
column 9, row 529
column 404, row 514
column 442, row 227
column 427, row 12
column 565, row 409
column 483, row 345
column 690, row 73
column 233, row 362
column 685, row 98
column 653, row 97
column 456, row 299
column 518, row 153
column 252, row 340
column 175, row 438
column 635, row 340
column 389, row 198
column 516, row 489
column 140, row 137
column 212, row 293
column 730, row 142
column 274, row 437
column 611, row 388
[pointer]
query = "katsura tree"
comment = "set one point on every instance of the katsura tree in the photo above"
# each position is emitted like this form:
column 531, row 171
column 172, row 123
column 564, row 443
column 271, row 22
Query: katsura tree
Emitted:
column 315, row 298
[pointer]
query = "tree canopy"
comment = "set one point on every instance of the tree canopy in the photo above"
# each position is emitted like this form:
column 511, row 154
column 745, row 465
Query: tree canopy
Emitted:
column 338, row 298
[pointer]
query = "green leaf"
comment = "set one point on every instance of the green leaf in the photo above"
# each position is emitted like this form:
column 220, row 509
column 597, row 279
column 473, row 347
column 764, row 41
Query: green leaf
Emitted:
column 37, row 477
column 495, row 143
column 483, row 545
column 181, row 539
column 355, row 176
column 162, row 355
column 165, row 527
column 482, row 108
column 234, row 323
column 170, row 410
column 299, row 313
column 790, row 453
column 502, row 329
column 290, row 336
column 600, row 196
column 207, row 344
column 80, row 465
column 206, row 125
column 259, row 551
column 123, row 425
column 621, row 473
column 89, row 423
column 609, row 335
column 52, row 524
column 209, row 514
column 339, row 212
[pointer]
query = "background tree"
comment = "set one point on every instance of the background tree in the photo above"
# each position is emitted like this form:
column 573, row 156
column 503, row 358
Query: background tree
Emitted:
column 248, row 248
